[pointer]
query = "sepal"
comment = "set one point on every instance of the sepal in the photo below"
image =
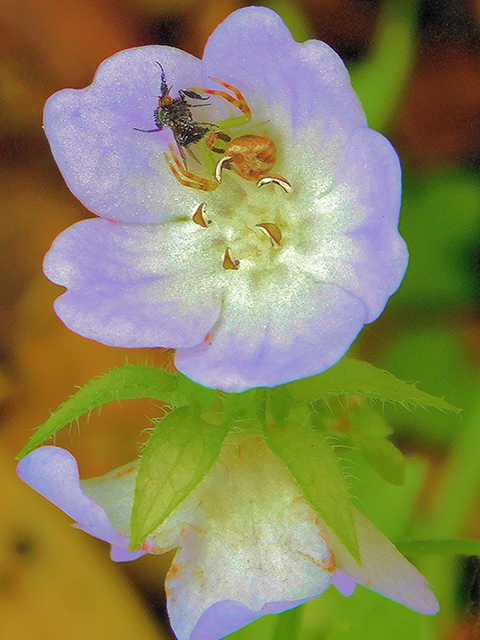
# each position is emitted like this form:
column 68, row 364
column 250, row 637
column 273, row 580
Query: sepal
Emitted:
column 126, row 383
column 355, row 377
column 180, row 452
column 318, row 472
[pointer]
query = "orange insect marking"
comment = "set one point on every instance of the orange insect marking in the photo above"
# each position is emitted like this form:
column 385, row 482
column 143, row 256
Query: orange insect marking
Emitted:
column 252, row 156
column 187, row 178
column 212, row 141
column 237, row 99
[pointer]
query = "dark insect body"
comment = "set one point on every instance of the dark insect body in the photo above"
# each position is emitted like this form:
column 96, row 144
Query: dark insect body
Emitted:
column 175, row 113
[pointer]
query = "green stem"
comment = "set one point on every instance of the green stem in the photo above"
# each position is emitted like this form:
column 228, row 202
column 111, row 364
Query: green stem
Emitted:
column 440, row 548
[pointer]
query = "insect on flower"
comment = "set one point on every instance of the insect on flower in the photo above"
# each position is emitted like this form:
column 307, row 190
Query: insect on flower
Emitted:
column 176, row 114
column 253, row 287
column 252, row 157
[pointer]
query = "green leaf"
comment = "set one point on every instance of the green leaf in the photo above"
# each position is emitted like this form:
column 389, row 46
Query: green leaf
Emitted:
column 374, row 493
column 194, row 394
column 367, row 422
column 435, row 351
column 215, row 413
column 177, row 457
column 247, row 408
column 369, row 430
column 127, row 383
column 354, row 377
column 317, row 470
column 440, row 548
column 385, row 458
column 280, row 404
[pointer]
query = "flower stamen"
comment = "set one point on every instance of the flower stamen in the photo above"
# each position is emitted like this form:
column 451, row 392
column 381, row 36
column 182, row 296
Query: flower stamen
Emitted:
column 286, row 186
column 229, row 261
column 227, row 161
column 199, row 216
column 272, row 231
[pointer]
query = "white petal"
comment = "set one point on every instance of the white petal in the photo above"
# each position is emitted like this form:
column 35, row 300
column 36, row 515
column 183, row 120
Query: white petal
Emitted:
column 384, row 569
column 275, row 331
column 254, row 541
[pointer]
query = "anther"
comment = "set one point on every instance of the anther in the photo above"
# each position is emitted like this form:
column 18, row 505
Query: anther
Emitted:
column 229, row 262
column 225, row 161
column 199, row 216
column 286, row 186
column 272, row 231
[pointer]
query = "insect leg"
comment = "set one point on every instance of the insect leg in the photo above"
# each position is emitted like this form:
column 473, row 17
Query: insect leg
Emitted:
column 236, row 99
column 191, row 94
column 187, row 178
column 190, row 152
column 182, row 152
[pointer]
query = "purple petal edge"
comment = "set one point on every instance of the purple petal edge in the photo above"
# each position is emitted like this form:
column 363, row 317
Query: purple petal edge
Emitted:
column 53, row 472
column 344, row 583
column 226, row 617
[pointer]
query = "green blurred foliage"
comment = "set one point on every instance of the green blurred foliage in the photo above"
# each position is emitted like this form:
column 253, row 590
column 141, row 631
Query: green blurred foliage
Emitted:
column 364, row 616
column 437, row 356
column 440, row 223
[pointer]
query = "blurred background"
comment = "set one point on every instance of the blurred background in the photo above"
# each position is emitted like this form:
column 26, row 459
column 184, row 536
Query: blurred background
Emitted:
column 416, row 67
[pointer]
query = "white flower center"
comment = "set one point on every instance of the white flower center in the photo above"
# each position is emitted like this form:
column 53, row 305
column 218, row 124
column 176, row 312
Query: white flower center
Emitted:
column 235, row 165
column 248, row 223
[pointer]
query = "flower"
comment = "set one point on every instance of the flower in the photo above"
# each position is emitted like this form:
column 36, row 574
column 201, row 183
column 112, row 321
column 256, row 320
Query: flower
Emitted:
column 248, row 542
column 255, row 282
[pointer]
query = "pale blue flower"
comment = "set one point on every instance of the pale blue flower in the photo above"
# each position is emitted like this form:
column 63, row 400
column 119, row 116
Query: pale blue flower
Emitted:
column 248, row 543
column 244, row 303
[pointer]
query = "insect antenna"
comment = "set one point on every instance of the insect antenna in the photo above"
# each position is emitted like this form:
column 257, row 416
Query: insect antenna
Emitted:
column 163, row 86
column 146, row 130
